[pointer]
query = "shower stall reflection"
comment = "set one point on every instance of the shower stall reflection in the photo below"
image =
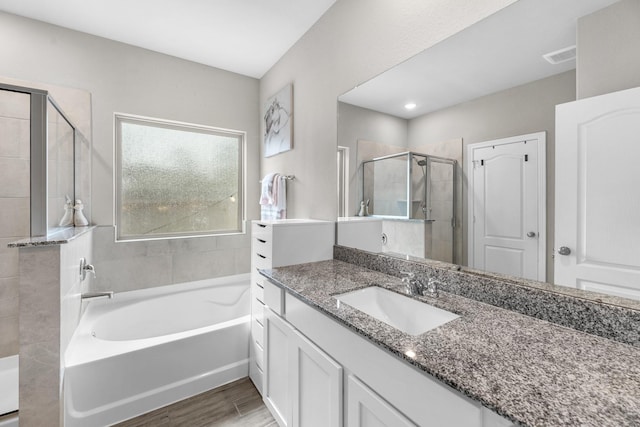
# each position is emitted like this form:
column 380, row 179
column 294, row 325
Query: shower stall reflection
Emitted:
column 414, row 193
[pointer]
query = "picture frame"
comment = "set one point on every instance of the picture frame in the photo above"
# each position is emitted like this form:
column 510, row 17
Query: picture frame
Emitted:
column 278, row 122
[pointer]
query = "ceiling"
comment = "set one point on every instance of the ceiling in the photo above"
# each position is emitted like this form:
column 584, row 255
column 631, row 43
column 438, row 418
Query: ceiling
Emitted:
column 502, row 51
column 243, row 36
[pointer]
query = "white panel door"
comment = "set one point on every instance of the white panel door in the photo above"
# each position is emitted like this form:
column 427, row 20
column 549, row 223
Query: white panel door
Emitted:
column 277, row 381
column 316, row 386
column 597, row 237
column 506, row 206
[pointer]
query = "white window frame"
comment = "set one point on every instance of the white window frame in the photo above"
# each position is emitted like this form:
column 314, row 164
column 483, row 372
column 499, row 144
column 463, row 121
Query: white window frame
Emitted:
column 172, row 124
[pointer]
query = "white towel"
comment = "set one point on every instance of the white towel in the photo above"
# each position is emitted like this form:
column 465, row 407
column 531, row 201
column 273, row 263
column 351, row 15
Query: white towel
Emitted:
column 273, row 197
column 266, row 195
column 280, row 192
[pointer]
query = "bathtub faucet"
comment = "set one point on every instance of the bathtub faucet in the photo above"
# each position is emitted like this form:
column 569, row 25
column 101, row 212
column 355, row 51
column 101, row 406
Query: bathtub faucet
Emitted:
column 96, row 295
column 86, row 268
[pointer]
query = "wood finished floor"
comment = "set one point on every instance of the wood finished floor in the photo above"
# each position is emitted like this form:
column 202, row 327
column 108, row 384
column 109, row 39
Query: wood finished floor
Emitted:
column 237, row 404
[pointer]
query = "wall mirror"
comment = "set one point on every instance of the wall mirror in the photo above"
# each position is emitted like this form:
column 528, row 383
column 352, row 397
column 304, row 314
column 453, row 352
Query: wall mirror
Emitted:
column 490, row 82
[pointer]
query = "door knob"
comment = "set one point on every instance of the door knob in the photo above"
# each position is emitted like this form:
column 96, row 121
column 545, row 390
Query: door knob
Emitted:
column 564, row 250
column 531, row 234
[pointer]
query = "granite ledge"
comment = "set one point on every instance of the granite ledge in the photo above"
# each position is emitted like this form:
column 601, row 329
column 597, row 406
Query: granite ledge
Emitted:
column 60, row 237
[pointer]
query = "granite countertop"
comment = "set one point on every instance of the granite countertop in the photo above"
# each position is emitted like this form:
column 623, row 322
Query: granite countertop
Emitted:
column 59, row 237
column 530, row 371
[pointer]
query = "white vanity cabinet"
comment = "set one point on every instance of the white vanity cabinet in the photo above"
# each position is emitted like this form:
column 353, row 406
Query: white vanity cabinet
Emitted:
column 313, row 360
column 367, row 409
column 303, row 385
column 275, row 244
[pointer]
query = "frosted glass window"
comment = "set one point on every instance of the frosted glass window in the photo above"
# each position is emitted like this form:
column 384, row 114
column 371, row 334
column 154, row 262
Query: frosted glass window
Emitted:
column 177, row 179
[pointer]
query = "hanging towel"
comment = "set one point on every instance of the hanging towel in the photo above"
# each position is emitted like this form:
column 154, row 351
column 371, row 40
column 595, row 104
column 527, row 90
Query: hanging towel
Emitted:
column 273, row 197
column 266, row 194
column 280, row 192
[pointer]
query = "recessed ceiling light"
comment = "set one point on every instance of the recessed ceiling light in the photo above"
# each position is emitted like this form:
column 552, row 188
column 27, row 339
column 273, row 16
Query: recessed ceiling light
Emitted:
column 410, row 106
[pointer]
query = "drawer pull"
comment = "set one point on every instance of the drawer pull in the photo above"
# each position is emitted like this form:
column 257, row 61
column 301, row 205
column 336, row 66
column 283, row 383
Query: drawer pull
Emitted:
column 262, row 241
column 262, row 256
column 262, row 226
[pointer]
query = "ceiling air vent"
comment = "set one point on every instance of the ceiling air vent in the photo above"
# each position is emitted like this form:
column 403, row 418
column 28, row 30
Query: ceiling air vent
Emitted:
column 562, row 55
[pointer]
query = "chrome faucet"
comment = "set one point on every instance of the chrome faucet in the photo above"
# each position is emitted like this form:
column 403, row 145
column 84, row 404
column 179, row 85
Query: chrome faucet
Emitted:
column 86, row 268
column 412, row 286
column 432, row 288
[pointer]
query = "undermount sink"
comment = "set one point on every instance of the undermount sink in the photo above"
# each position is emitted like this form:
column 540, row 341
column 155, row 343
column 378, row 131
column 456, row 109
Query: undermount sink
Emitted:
column 406, row 314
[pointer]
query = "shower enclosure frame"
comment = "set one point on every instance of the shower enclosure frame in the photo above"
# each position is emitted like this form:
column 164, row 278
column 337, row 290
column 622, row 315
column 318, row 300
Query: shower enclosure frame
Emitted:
column 409, row 190
column 38, row 168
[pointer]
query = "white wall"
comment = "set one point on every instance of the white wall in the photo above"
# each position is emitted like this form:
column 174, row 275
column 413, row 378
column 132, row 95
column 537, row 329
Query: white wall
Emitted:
column 354, row 124
column 123, row 78
column 524, row 109
column 611, row 63
column 352, row 42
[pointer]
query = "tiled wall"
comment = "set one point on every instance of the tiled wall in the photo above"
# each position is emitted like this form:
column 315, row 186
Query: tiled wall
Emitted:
column 14, row 208
column 127, row 266
column 49, row 313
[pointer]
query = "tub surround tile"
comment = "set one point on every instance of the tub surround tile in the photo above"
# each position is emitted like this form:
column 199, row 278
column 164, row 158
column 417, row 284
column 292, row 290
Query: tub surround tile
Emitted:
column 8, row 259
column 133, row 273
column 203, row 265
column 106, row 248
column 603, row 315
column 14, row 216
column 39, row 372
column 529, row 370
column 15, row 105
column 14, row 138
column 15, row 177
column 243, row 259
column 39, row 386
column 49, row 300
column 126, row 266
column 9, row 334
column 71, row 287
column 9, row 330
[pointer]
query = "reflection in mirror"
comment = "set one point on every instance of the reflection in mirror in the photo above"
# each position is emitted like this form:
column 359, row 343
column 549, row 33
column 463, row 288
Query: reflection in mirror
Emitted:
column 487, row 82
column 415, row 195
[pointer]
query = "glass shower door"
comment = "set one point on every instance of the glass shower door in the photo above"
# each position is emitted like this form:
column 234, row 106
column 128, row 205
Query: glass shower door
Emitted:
column 440, row 207
column 60, row 166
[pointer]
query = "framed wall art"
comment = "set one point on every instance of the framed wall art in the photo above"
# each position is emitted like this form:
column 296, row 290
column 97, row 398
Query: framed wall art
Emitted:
column 278, row 122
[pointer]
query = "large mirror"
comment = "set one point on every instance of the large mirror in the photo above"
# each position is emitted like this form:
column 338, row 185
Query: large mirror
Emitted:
column 492, row 87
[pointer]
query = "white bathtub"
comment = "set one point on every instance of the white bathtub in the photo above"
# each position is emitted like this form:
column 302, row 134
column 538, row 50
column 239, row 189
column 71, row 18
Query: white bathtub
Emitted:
column 146, row 349
column 8, row 391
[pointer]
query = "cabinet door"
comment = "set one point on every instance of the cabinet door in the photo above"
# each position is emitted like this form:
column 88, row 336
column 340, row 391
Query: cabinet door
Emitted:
column 316, row 386
column 367, row 409
column 277, row 389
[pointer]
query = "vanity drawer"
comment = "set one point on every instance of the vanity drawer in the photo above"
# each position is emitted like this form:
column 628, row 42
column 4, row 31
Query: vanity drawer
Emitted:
column 274, row 298
column 257, row 290
column 261, row 261
column 263, row 246
column 257, row 332
column 261, row 230
column 257, row 311
column 258, row 351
